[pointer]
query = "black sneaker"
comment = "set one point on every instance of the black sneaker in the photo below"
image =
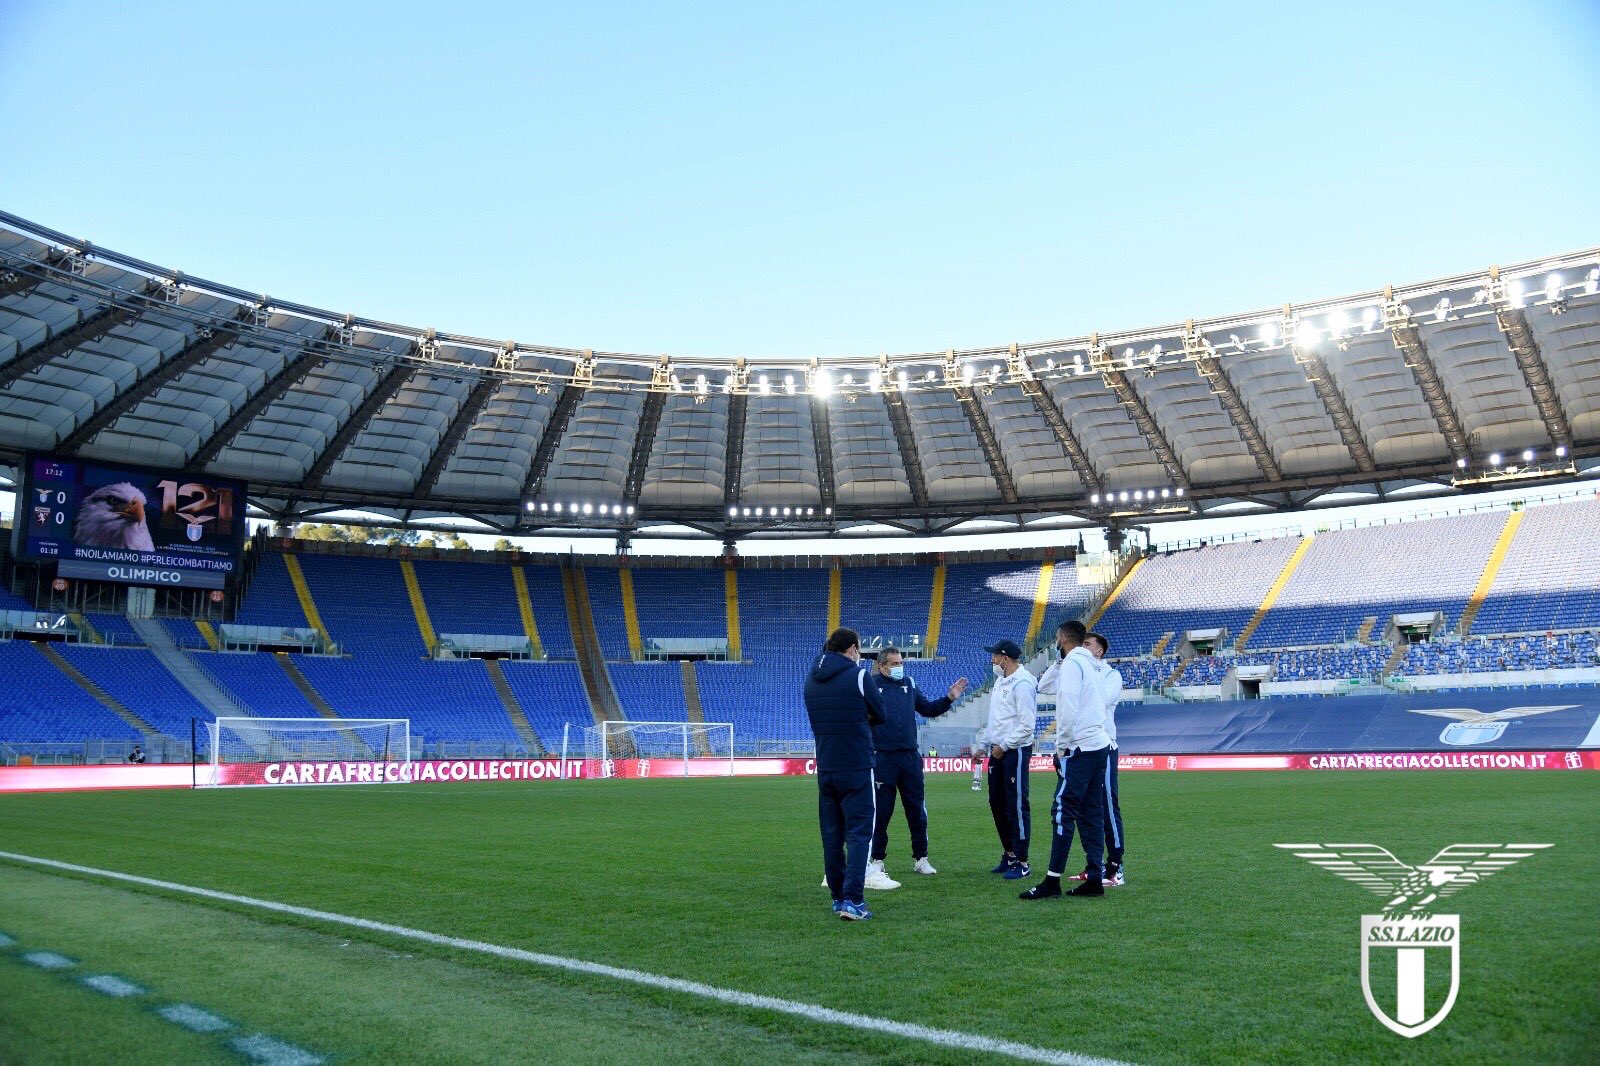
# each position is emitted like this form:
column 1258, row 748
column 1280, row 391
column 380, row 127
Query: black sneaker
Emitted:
column 1043, row 890
column 1003, row 865
column 1092, row 887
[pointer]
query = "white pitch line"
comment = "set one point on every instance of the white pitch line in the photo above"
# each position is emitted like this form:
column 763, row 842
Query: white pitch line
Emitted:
column 811, row 1012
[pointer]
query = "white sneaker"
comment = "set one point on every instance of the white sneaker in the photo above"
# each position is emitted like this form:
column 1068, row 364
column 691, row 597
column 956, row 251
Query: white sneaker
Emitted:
column 877, row 879
column 924, row 867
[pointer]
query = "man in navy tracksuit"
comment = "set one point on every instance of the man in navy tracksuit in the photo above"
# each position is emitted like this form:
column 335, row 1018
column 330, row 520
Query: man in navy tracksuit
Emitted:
column 843, row 703
column 899, row 763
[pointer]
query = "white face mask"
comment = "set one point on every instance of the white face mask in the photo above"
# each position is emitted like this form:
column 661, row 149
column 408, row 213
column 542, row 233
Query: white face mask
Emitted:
column 998, row 673
column 897, row 672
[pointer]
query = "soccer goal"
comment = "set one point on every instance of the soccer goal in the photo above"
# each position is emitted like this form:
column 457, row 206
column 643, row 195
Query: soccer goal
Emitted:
column 628, row 749
column 375, row 743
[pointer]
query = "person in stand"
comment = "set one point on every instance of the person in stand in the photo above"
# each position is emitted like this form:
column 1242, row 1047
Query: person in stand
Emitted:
column 843, row 703
column 899, row 764
column 1013, row 714
column 1081, row 735
column 137, row 754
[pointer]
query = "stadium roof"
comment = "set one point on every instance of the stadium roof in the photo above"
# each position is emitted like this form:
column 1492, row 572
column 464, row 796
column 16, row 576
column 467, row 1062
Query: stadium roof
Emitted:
column 1463, row 383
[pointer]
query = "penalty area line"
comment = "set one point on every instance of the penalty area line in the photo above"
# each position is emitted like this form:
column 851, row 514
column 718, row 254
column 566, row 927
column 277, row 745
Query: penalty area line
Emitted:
column 949, row 1038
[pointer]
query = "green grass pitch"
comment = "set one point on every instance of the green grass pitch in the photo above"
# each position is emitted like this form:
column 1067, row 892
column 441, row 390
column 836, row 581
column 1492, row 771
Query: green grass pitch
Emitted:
column 1220, row 949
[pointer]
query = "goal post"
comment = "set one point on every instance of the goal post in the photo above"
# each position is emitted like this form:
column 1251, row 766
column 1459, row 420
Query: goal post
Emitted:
column 300, row 740
column 694, row 749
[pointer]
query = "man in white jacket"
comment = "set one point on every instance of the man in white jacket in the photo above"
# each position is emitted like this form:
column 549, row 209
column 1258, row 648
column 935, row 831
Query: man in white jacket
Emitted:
column 1085, row 745
column 1111, row 688
column 1013, row 713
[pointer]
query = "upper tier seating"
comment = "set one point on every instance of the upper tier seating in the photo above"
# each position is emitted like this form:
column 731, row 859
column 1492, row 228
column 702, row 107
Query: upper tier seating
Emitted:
column 1219, row 586
column 1350, row 574
column 1550, row 579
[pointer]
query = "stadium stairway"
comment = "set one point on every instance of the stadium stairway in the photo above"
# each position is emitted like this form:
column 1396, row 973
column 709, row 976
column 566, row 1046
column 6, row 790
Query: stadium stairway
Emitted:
column 1172, row 678
column 513, row 706
column 730, row 581
column 1160, row 648
column 930, row 636
column 519, row 582
column 1117, row 587
column 835, row 600
column 603, row 702
column 1364, row 630
column 307, row 689
column 1272, row 595
column 1491, row 570
column 419, row 606
column 630, row 615
column 1041, row 600
column 691, row 700
column 110, row 702
column 302, row 592
column 1396, row 659
column 86, row 627
column 210, row 695
column 208, row 633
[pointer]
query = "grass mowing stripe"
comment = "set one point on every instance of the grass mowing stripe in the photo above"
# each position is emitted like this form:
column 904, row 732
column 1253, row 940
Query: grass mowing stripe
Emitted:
column 810, row 1012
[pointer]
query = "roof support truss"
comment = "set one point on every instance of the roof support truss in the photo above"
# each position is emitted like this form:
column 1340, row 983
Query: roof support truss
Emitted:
column 1198, row 350
column 979, row 420
column 901, row 421
column 553, row 432
column 1328, row 392
column 1514, row 324
column 207, row 342
column 822, row 437
column 388, row 384
column 91, row 328
column 292, row 373
column 1116, row 380
column 1408, row 339
column 643, row 442
column 471, row 408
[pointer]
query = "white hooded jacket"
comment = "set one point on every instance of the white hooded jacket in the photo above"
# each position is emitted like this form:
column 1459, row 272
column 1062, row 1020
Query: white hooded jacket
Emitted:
column 1082, row 718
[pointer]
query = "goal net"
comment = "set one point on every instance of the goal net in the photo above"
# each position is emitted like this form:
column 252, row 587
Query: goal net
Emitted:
column 683, row 749
column 305, row 740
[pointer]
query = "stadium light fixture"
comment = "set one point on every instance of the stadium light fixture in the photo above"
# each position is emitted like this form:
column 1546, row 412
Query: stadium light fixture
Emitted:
column 1050, row 364
column 700, row 384
column 849, row 379
column 875, row 380
column 530, row 506
column 630, row 509
column 588, row 508
column 967, row 371
column 1178, row 491
column 809, row 512
column 1441, row 310
column 727, row 383
column 1306, row 335
column 1591, row 281
column 766, row 386
column 747, row 512
column 677, row 386
column 901, row 381
column 1138, row 495
column 544, row 507
column 1338, row 322
column 1095, row 498
column 788, row 384
column 1514, row 293
column 827, row 510
column 1166, row 494
column 1561, row 451
column 1461, row 464
column 1123, row 497
column 733, row 512
column 1552, row 287
column 994, row 374
column 1494, row 458
column 558, row 508
column 822, row 384
column 1527, row 455
column 758, row 512
column 1369, row 318
column 1268, row 333
column 928, row 377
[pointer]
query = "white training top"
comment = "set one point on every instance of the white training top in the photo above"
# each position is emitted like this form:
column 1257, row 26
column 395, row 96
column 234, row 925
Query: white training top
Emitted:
column 1013, row 710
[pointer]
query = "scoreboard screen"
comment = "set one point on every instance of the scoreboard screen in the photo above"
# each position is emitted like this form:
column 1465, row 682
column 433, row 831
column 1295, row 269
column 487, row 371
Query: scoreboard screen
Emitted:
column 132, row 524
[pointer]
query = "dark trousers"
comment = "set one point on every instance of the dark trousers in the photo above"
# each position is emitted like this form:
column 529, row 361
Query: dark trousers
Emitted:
column 1113, row 813
column 845, row 812
column 1008, row 800
column 900, row 772
column 1080, row 804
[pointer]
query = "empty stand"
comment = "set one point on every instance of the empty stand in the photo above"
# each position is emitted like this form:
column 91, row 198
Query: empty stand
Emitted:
column 1549, row 579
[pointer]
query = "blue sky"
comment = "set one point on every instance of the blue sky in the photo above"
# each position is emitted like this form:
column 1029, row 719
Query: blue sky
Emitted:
column 827, row 179
column 796, row 181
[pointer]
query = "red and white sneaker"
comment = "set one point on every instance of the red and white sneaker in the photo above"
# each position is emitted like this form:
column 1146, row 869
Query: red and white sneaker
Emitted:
column 1078, row 877
column 1114, row 879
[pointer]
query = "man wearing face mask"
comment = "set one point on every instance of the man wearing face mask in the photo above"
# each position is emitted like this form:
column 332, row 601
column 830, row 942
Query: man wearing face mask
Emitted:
column 1013, row 713
column 1085, row 746
column 899, row 763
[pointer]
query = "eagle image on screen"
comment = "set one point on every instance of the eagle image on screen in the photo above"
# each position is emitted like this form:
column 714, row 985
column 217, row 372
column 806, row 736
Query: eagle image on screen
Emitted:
column 113, row 517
